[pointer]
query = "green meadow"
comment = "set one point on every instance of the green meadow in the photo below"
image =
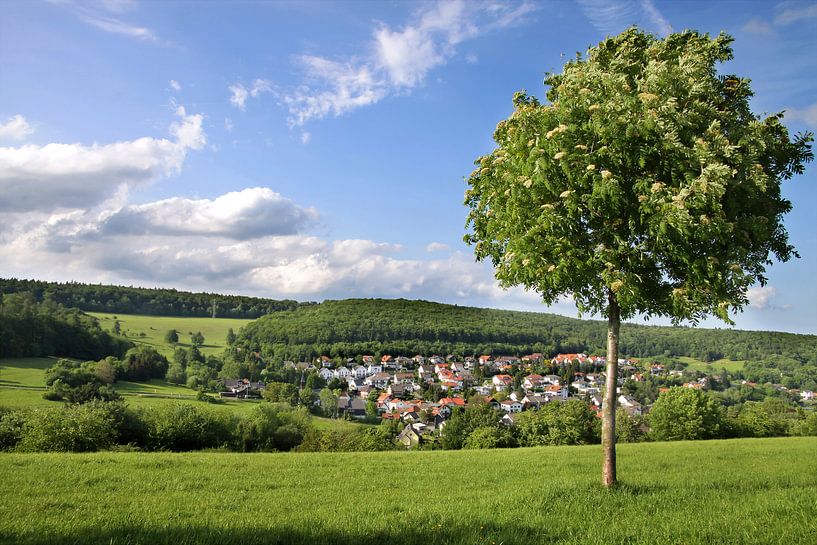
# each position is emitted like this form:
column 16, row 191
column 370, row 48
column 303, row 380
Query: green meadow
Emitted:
column 713, row 366
column 747, row 491
column 151, row 330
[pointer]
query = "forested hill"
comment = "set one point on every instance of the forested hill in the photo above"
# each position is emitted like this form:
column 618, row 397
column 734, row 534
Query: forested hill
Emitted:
column 150, row 301
column 399, row 327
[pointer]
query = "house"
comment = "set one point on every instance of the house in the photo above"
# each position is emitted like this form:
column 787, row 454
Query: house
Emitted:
column 374, row 368
column 418, row 359
column 556, row 391
column 566, row 359
column 326, row 374
column 434, row 360
column 484, row 359
column 385, row 358
column 510, row 406
column 403, row 362
column 367, row 360
column 409, row 437
column 325, row 361
column 552, row 379
column 352, row 406
column 363, row 392
column 355, row 384
column 502, row 382
column 492, row 402
column 807, row 395
column 403, row 378
column 242, row 388
column 536, row 357
column 535, row 401
column 657, row 369
column 484, row 389
column 343, row 373
column 507, row 420
column 533, row 381
column 630, row 405
column 397, row 390
column 452, row 402
column 378, row 380
column 358, row 371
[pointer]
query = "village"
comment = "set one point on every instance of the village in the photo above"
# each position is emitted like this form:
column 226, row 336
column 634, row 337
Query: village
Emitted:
column 422, row 392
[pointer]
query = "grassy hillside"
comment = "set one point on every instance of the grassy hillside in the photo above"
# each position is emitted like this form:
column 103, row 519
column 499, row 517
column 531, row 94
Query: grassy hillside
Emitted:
column 750, row 491
column 155, row 327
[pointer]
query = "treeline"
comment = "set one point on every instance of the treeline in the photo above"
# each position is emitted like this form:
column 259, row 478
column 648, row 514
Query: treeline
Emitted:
column 32, row 328
column 352, row 327
column 678, row 414
column 148, row 301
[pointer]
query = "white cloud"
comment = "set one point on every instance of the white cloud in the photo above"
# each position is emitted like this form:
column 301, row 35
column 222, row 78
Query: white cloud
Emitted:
column 397, row 60
column 437, row 247
column 760, row 296
column 757, row 26
column 71, row 176
column 117, row 26
column 305, row 137
column 228, row 124
column 613, row 16
column 807, row 115
column 251, row 213
column 239, row 94
column 16, row 128
column 175, row 85
column 796, row 13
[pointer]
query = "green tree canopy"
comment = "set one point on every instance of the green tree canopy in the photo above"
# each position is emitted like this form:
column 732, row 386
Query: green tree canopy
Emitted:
column 645, row 174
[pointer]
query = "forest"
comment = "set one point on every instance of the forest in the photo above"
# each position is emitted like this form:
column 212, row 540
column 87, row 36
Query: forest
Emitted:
column 348, row 328
column 149, row 301
column 45, row 328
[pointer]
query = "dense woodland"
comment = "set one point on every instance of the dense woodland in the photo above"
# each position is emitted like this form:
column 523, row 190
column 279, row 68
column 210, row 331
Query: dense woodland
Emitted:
column 45, row 328
column 351, row 327
column 149, row 301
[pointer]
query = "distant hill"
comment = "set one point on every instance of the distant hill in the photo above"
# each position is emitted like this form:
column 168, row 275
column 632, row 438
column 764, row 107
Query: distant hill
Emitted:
column 350, row 327
column 147, row 301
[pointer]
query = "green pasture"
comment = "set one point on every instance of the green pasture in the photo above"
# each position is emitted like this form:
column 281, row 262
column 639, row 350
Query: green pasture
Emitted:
column 154, row 329
column 747, row 491
column 712, row 366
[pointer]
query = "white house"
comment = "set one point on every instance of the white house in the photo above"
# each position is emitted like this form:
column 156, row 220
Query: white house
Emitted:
column 326, row 374
column 359, row 371
column 511, row 406
column 343, row 373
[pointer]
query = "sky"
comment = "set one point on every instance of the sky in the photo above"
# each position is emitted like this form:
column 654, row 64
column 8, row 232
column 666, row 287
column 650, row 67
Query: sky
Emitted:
column 318, row 150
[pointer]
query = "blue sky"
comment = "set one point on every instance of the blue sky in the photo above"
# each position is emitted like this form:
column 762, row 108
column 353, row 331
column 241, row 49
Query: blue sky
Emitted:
column 315, row 150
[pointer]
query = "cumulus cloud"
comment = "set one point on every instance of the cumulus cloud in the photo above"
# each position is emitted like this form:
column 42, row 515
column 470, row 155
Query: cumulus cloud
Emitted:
column 760, row 297
column 15, row 128
column 395, row 61
column 247, row 214
column 175, row 85
column 613, row 16
column 70, row 176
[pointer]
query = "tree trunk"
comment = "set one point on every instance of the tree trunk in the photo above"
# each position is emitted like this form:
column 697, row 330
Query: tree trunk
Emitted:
column 608, row 426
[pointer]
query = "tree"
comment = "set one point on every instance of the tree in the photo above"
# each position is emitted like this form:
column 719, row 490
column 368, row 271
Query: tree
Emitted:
column 230, row 337
column 197, row 339
column 329, row 402
column 172, row 336
column 643, row 185
column 685, row 414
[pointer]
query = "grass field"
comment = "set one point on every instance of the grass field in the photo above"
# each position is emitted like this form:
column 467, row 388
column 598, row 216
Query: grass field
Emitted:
column 749, row 491
column 713, row 366
column 155, row 327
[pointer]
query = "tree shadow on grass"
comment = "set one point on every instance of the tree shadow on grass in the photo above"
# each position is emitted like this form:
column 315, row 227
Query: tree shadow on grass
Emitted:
column 396, row 534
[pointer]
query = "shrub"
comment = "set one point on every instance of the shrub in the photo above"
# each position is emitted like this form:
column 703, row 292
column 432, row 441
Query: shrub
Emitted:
column 182, row 426
column 684, row 414
column 76, row 428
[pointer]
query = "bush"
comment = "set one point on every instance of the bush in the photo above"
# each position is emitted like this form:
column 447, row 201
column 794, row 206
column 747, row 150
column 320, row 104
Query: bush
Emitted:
column 182, row 427
column 489, row 437
column 272, row 426
column 685, row 414
column 76, row 428
column 11, row 428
